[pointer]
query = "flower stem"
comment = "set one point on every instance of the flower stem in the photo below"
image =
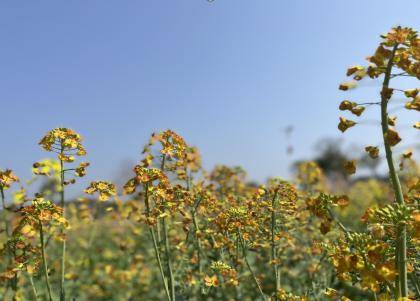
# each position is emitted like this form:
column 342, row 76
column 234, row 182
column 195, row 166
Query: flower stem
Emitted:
column 166, row 244
column 273, row 245
column 31, row 280
column 12, row 282
column 3, row 202
column 44, row 262
column 196, row 230
column 198, row 242
column 244, row 249
column 155, row 246
column 168, row 259
column 63, row 246
column 401, row 247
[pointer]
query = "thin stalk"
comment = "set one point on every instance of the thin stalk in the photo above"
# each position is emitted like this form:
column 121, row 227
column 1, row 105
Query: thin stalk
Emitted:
column 166, row 244
column 415, row 282
column 343, row 228
column 168, row 259
column 12, row 282
column 197, row 238
column 313, row 291
column 35, row 293
column 187, row 178
column 397, row 289
column 401, row 241
column 44, row 262
column 250, row 268
column 155, row 246
column 159, row 225
column 194, row 219
column 273, row 245
column 237, row 243
column 158, row 231
column 198, row 245
column 3, row 202
column 63, row 245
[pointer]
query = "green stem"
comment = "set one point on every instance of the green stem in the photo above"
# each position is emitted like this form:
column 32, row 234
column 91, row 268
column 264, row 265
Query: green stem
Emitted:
column 198, row 245
column 31, row 280
column 12, row 282
column 415, row 282
column 63, row 245
column 197, row 238
column 250, row 268
column 159, row 225
column 158, row 231
column 3, row 202
column 168, row 259
column 273, row 245
column 44, row 262
column 166, row 244
column 343, row 228
column 401, row 240
column 237, row 243
column 155, row 246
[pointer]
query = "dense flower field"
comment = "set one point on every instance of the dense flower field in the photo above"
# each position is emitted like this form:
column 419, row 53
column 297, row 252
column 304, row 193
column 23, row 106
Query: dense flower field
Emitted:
column 175, row 231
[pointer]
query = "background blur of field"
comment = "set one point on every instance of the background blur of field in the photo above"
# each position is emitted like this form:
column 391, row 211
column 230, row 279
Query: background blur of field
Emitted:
column 253, row 86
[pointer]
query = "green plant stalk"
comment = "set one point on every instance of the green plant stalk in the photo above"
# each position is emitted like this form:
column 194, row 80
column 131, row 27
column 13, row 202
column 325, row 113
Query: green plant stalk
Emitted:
column 44, row 262
column 12, row 282
column 155, row 246
column 63, row 245
column 166, row 244
column 244, row 249
column 273, row 246
column 34, row 292
column 401, row 241
column 237, row 243
column 415, row 282
column 397, row 287
column 159, row 226
column 198, row 245
column 195, row 223
column 196, row 230
column 158, row 231
column 3, row 202
column 314, row 291
column 343, row 228
column 168, row 259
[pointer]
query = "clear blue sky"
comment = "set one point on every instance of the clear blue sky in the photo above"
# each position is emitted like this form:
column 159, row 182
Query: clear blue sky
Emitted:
column 227, row 75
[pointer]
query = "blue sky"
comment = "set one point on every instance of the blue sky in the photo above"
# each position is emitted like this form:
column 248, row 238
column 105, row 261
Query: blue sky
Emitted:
column 229, row 76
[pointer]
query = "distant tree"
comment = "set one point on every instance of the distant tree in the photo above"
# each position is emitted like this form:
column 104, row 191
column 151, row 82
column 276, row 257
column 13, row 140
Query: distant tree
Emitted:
column 331, row 158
